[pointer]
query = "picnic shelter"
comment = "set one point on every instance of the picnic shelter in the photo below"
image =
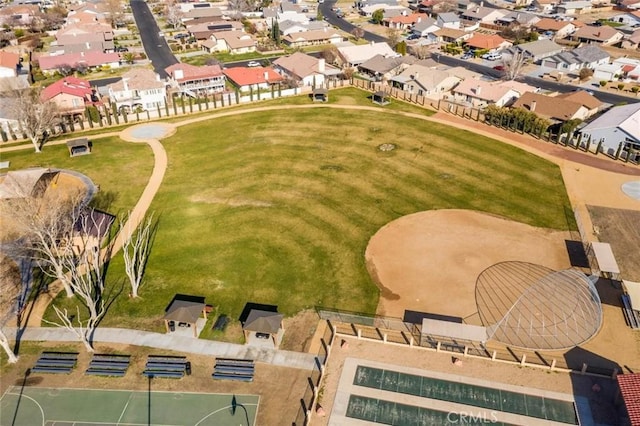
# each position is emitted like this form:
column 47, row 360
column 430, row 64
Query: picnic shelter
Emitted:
column 184, row 311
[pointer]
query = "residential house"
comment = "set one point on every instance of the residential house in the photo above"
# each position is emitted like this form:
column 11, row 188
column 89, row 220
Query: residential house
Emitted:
column 608, row 72
column 360, row 4
column 588, row 56
column 448, row 20
column 201, row 12
column 138, row 88
column 290, row 27
column 632, row 41
column 557, row 29
column 381, row 67
column 9, row 63
column 256, row 78
column 574, row 7
column 482, row 14
column 603, row 34
column 555, row 109
column 538, row 50
column 233, row 42
column 630, row 4
column 352, row 56
column 630, row 68
column 90, row 60
column 193, row 81
column 480, row 93
column 423, row 81
column 627, row 18
column 404, row 22
column 18, row 15
column 84, row 17
column 450, row 35
column 304, row 69
column 518, row 18
column 490, row 42
column 205, row 30
column 84, row 38
column 389, row 10
column 584, row 98
column 312, row 38
column 425, row 27
column 71, row 94
column 616, row 127
column 545, row 6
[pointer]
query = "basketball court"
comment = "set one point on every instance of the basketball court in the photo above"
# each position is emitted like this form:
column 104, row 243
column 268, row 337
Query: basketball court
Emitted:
column 31, row 406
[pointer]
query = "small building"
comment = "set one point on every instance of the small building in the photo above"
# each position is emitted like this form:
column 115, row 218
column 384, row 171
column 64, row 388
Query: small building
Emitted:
column 263, row 328
column 139, row 88
column 574, row 7
column 573, row 60
column 9, row 63
column 320, row 95
column 305, row 69
column 352, row 56
column 194, row 81
column 617, row 126
column 539, row 49
column 71, row 94
column 253, row 78
column 603, row 34
column 491, row 42
column 559, row 29
column 184, row 312
column 380, row 98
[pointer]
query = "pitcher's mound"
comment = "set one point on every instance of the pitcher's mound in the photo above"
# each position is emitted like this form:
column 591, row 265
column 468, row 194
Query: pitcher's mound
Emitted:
column 429, row 261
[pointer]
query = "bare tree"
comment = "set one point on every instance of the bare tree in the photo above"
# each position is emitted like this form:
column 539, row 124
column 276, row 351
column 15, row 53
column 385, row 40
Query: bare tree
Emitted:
column 420, row 51
column 513, row 65
column 173, row 14
column 236, row 7
column 44, row 227
column 330, row 54
column 357, row 32
column 86, row 270
column 445, row 6
column 10, row 290
column 115, row 12
column 34, row 116
column 393, row 37
column 135, row 249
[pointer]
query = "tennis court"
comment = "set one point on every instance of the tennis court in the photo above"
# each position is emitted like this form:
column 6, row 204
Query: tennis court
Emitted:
column 31, row 406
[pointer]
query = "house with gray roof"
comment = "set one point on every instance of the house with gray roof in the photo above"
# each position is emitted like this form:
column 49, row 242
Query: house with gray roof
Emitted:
column 589, row 56
column 483, row 14
column 518, row 18
column 538, row 50
column 380, row 67
column 425, row 27
column 424, row 81
column 617, row 126
column 448, row 20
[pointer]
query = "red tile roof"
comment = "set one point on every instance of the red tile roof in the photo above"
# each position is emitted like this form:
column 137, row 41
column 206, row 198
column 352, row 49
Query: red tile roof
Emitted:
column 630, row 389
column 407, row 19
column 484, row 41
column 192, row 72
column 244, row 76
column 69, row 85
column 9, row 59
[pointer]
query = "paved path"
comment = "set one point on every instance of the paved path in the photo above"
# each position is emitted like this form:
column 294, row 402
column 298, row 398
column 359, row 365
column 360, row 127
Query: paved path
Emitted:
column 173, row 342
column 566, row 158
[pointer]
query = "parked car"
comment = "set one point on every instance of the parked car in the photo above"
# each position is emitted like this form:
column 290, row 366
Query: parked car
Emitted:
column 467, row 55
column 253, row 64
column 413, row 36
column 499, row 68
column 121, row 49
column 181, row 35
column 492, row 56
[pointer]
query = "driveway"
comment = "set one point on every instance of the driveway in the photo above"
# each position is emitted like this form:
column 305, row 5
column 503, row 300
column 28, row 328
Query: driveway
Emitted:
column 331, row 17
column 155, row 46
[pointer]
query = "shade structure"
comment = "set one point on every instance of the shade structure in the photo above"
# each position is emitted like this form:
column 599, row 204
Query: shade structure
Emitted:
column 531, row 306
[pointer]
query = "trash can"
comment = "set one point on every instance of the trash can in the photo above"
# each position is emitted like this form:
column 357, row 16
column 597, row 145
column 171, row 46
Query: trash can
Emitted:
column 187, row 368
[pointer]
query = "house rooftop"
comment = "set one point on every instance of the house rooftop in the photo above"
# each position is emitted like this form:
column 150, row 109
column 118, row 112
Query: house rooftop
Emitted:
column 548, row 106
column 485, row 41
column 626, row 117
column 69, row 85
column 138, row 79
column 601, row 33
column 244, row 76
column 582, row 97
column 539, row 47
column 192, row 72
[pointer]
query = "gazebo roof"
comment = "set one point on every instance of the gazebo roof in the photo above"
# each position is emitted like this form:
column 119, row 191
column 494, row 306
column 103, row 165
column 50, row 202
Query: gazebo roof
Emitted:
column 263, row 321
column 320, row 91
column 184, row 311
column 78, row 142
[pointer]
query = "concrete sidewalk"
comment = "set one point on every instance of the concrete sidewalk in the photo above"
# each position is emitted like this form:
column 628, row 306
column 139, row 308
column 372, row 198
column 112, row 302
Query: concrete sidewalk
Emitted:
column 175, row 343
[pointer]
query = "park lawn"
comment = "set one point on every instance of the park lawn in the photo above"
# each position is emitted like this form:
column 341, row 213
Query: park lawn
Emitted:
column 121, row 169
column 277, row 207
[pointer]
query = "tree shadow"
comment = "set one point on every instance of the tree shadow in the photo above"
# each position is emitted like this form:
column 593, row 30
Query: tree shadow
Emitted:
column 103, row 200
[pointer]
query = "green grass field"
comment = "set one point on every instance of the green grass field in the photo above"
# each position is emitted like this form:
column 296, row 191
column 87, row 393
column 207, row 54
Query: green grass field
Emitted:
column 277, row 207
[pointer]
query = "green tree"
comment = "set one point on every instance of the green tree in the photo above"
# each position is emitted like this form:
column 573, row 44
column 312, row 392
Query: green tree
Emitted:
column 275, row 32
column 377, row 16
column 401, row 48
column 570, row 125
column 635, row 89
column 603, row 83
column 533, row 36
column 319, row 15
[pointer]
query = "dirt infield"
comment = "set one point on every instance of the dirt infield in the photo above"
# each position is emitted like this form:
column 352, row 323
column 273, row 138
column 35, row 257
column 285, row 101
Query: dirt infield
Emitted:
column 430, row 261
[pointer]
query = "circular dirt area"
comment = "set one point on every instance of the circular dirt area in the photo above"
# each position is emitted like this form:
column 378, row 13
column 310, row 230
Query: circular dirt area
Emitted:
column 429, row 261
column 144, row 132
column 632, row 189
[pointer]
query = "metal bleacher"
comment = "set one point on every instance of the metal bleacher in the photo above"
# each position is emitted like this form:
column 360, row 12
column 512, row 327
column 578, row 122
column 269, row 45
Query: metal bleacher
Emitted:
column 55, row 362
column 631, row 316
column 174, row 367
column 108, row 365
column 234, row 369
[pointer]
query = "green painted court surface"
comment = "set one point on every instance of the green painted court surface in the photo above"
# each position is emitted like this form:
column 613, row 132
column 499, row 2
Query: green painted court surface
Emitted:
column 462, row 393
column 66, row 407
column 394, row 413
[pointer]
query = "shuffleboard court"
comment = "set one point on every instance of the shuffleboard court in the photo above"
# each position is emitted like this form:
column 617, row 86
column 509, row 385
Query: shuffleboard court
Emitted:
column 32, row 406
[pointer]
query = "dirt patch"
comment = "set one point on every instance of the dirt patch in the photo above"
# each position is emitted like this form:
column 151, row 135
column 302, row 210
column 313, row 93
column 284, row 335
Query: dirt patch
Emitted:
column 299, row 330
column 621, row 229
column 424, row 261
column 279, row 388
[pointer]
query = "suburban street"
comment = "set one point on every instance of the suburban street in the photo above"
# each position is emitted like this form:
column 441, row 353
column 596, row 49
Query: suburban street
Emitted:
column 331, row 17
column 609, row 98
column 155, row 46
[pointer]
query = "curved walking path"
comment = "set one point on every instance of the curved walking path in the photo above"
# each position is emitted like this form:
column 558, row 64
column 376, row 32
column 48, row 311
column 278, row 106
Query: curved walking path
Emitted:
column 587, row 179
